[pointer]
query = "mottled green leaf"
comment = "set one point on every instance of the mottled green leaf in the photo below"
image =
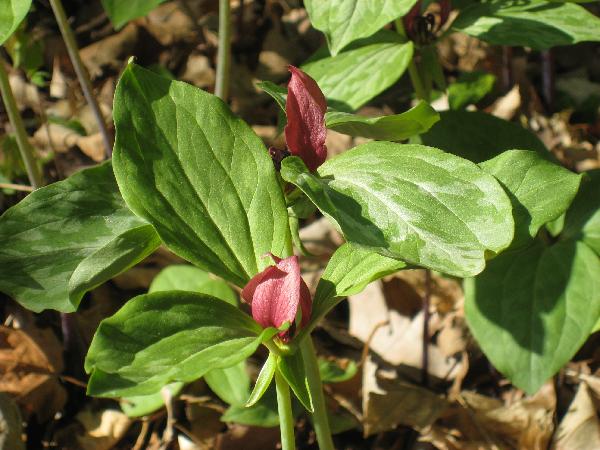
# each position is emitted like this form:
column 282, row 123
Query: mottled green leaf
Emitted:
column 67, row 238
column 12, row 12
column 394, row 127
column 478, row 137
column 535, row 23
column 531, row 310
column 164, row 337
column 122, row 11
column 262, row 414
column 199, row 174
column 411, row 202
column 231, row 384
column 540, row 190
column 469, row 88
column 348, row 79
column 583, row 217
column 332, row 372
column 344, row 21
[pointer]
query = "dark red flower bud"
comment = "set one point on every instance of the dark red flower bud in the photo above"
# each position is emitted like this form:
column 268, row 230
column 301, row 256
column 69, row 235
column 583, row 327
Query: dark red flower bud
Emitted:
column 276, row 293
column 305, row 108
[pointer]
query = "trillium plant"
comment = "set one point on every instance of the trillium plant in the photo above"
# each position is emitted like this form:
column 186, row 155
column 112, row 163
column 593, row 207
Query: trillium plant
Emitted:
column 186, row 173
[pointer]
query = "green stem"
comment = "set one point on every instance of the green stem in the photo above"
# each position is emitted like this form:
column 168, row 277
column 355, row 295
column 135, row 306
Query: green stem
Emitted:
column 33, row 171
column 413, row 71
column 224, row 51
column 320, row 420
column 286, row 418
column 82, row 75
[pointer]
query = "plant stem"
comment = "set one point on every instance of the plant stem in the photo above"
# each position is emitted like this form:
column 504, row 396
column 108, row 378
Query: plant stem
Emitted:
column 426, row 318
column 224, row 51
column 33, row 171
column 413, row 71
column 82, row 75
column 286, row 418
column 320, row 420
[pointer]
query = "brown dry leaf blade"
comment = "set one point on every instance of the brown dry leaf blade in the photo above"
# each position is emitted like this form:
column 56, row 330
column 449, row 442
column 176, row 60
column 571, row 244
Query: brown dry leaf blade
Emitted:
column 579, row 429
column 27, row 363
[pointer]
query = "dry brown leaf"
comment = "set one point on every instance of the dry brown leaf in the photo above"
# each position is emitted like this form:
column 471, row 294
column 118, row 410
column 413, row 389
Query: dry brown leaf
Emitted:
column 26, row 94
column 389, row 402
column 248, row 438
column 198, row 71
column 507, row 106
column 169, row 24
column 27, row 362
column 103, row 429
column 579, row 428
column 110, row 51
column 399, row 341
column 10, row 424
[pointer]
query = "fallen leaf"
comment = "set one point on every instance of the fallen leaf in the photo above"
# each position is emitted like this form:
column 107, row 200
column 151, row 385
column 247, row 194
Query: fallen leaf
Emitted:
column 103, row 428
column 10, row 424
column 579, row 429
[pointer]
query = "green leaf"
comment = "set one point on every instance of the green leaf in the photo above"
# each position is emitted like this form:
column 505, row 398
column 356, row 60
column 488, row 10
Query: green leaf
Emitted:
column 163, row 337
column 183, row 277
column 199, row 174
column 331, row 372
column 411, row 202
column 278, row 93
column 531, row 310
column 396, row 127
column 535, row 23
column 349, row 271
column 469, row 88
column 67, row 238
column 231, row 384
column 345, row 21
column 122, row 11
column 145, row 404
column 478, row 137
column 264, row 380
column 540, row 190
column 12, row 13
column 583, row 217
column 348, row 79
column 291, row 368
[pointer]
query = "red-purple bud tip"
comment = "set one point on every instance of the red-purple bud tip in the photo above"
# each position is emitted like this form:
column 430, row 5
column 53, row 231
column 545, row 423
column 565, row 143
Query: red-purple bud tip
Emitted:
column 305, row 108
column 276, row 293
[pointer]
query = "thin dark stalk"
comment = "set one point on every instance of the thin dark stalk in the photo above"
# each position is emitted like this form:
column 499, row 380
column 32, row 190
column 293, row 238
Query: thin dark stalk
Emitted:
column 224, row 51
column 25, row 148
column 507, row 78
column 426, row 318
column 82, row 75
column 548, row 78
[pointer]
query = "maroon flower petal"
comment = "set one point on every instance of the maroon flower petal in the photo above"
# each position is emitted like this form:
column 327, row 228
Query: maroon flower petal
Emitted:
column 305, row 131
column 276, row 293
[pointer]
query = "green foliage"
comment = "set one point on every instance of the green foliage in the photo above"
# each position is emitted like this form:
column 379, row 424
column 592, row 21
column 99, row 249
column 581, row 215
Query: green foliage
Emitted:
column 531, row 310
column 182, row 277
column 12, row 12
column 331, row 372
column 292, row 369
column 199, row 174
column 411, row 202
column 348, row 79
column 163, row 337
column 264, row 380
column 534, row 306
column 533, row 23
column 345, row 21
column 122, row 11
column 67, row 238
column 145, row 404
column 540, row 190
column 478, row 137
column 583, row 218
column 394, row 127
column 469, row 88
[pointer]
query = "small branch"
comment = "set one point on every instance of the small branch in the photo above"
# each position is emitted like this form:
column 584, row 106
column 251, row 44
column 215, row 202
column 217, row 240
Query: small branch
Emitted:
column 426, row 316
column 286, row 418
column 548, row 78
column 320, row 420
column 82, row 75
column 33, row 171
column 16, row 187
column 224, row 51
